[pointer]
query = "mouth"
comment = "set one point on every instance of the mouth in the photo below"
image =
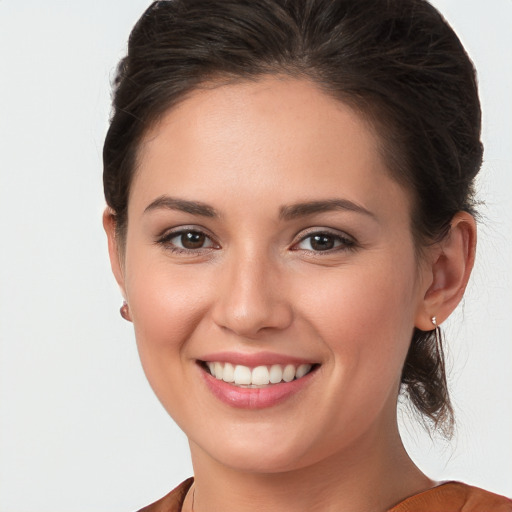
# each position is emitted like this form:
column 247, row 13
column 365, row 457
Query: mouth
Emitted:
column 262, row 376
column 256, row 381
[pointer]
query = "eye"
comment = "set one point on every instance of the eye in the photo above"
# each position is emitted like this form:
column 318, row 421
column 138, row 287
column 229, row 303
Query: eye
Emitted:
column 323, row 242
column 187, row 240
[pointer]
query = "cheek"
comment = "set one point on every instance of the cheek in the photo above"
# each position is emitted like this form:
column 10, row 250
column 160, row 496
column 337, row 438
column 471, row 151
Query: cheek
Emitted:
column 365, row 314
column 166, row 307
column 365, row 319
column 166, row 310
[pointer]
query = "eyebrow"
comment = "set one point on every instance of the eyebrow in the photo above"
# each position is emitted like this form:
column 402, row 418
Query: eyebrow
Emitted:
column 288, row 212
column 173, row 203
column 294, row 211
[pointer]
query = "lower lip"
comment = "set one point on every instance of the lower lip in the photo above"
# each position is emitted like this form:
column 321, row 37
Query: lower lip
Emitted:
column 255, row 398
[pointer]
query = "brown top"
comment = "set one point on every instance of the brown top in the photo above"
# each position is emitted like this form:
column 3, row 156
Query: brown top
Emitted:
column 454, row 497
column 447, row 497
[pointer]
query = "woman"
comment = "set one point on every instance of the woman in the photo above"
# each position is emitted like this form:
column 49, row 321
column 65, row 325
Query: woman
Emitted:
column 290, row 219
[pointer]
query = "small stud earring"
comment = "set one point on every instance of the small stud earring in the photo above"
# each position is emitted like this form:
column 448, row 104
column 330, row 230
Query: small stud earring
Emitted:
column 440, row 352
column 125, row 311
column 438, row 335
column 434, row 322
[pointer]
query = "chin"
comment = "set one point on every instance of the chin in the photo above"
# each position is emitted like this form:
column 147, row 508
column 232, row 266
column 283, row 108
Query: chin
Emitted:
column 253, row 453
column 255, row 461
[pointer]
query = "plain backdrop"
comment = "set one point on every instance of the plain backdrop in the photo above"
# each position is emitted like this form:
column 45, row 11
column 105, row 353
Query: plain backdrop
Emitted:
column 80, row 429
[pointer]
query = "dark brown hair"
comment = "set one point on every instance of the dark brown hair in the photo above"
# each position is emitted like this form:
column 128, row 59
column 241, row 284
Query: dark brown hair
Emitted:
column 397, row 62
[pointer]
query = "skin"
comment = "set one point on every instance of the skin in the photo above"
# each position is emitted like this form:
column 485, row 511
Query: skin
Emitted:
column 249, row 151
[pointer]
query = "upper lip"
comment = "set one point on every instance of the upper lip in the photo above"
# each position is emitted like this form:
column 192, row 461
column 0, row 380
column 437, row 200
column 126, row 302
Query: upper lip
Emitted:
column 255, row 359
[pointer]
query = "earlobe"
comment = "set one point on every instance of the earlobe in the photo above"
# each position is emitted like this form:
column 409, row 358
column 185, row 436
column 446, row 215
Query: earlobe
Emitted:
column 109, row 224
column 449, row 271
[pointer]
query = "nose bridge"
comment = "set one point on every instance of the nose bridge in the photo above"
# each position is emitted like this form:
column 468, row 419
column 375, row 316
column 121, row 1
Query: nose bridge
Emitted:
column 251, row 297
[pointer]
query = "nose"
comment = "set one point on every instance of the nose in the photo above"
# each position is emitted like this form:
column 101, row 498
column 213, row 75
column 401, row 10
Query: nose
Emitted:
column 251, row 297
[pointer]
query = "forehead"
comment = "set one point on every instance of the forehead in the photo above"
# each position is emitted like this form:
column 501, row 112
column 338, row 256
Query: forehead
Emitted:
column 259, row 138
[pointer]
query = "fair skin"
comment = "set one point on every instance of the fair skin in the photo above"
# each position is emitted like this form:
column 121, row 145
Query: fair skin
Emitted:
column 299, row 251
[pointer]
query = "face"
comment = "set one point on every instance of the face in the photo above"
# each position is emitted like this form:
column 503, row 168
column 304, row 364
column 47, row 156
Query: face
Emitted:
column 271, row 275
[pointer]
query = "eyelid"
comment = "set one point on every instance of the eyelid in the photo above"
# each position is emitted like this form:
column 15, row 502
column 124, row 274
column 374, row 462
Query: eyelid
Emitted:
column 342, row 235
column 168, row 234
column 319, row 230
column 164, row 233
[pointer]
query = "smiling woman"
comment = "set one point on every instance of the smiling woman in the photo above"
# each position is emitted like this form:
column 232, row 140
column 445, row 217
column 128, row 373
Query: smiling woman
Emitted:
column 290, row 218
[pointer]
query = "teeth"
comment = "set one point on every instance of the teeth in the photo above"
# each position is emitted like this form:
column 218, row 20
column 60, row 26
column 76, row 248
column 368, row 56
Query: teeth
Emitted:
column 289, row 373
column 228, row 375
column 276, row 373
column 260, row 376
column 242, row 375
column 219, row 370
column 302, row 370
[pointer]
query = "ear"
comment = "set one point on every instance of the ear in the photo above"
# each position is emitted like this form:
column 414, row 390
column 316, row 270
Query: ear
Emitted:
column 109, row 224
column 448, row 271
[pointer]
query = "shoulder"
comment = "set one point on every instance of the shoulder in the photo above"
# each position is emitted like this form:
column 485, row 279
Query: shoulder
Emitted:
column 171, row 502
column 447, row 497
column 455, row 497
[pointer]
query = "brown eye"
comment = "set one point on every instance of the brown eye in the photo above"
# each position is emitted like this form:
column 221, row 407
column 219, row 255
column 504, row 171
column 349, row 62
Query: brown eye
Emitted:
column 187, row 240
column 192, row 240
column 322, row 242
column 325, row 241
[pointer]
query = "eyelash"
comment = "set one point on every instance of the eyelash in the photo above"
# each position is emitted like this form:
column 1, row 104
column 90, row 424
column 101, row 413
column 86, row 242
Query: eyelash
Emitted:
column 165, row 241
column 344, row 242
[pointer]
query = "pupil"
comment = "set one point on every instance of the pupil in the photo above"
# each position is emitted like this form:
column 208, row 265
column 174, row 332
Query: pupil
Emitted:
column 192, row 240
column 322, row 242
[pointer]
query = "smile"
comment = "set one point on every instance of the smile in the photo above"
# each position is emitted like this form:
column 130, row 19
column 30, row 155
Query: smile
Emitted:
column 260, row 376
column 256, row 385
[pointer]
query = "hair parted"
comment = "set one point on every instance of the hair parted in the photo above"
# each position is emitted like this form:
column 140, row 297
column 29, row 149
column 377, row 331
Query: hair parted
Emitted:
column 397, row 62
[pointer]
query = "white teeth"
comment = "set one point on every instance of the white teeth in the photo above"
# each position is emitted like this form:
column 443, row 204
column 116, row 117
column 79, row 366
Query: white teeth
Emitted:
column 289, row 373
column 228, row 375
column 242, row 375
column 218, row 370
column 276, row 373
column 259, row 376
column 302, row 370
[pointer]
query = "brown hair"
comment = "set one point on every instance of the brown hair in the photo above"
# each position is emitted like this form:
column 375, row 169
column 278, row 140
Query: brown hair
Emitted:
column 397, row 62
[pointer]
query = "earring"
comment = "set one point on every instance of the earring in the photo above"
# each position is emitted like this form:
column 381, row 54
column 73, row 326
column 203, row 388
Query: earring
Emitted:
column 434, row 321
column 436, row 328
column 125, row 311
column 439, row 343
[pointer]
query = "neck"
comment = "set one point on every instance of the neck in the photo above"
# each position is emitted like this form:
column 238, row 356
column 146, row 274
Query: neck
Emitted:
column 374, row 474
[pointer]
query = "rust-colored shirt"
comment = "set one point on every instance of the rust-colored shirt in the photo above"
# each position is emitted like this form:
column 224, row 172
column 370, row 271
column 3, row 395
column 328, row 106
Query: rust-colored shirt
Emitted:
column 447, row 497
column 454, row 497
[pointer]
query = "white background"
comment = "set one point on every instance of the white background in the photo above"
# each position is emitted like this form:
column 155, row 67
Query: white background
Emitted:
column 80, row 429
